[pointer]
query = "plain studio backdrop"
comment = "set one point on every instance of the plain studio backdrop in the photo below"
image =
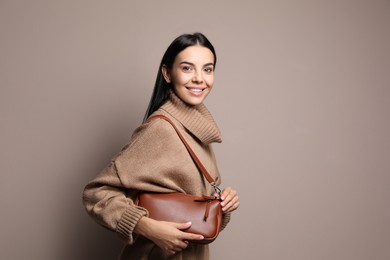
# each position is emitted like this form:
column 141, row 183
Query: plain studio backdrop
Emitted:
column 302, row 97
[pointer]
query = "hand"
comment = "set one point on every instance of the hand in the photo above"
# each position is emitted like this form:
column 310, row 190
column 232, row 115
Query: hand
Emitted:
column 229, row 200
column 166, row 235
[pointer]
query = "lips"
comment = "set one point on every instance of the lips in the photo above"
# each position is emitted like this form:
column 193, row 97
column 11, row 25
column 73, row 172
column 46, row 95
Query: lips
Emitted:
column 196, row 90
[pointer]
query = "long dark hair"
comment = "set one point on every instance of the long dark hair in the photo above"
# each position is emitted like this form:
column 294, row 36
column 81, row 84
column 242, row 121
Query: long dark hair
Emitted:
column 162, row 88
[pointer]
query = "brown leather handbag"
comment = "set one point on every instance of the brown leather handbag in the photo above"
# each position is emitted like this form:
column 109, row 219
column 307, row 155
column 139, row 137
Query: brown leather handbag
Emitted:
column 204, row 212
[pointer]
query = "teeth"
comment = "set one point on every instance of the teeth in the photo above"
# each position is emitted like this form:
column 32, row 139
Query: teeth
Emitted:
column 196, row 90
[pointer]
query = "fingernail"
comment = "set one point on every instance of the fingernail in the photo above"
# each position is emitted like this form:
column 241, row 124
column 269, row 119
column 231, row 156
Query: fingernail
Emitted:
column 201, row 237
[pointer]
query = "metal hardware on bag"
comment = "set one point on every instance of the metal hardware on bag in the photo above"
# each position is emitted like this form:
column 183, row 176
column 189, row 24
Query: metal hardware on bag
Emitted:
column 216, row 188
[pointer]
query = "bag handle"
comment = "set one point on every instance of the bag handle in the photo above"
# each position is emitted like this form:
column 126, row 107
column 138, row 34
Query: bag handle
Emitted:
column 192, row 153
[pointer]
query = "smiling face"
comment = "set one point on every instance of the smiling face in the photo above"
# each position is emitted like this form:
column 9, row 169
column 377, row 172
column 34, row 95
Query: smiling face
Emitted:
column 192, row 74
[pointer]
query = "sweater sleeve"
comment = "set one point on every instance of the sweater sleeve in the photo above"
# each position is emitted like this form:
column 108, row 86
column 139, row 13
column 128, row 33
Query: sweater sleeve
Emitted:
column 109, row 198
column 155, row 160
column 105, row 201
column 225, row 220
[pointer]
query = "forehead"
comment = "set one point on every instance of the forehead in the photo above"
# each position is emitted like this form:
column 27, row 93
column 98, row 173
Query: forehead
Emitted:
column 195, row 54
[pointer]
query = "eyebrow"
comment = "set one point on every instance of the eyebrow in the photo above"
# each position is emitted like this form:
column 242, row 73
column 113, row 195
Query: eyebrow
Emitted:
column 192, row 64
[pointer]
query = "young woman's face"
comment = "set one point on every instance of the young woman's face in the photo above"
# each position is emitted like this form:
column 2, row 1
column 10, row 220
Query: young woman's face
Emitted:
column 192, row 74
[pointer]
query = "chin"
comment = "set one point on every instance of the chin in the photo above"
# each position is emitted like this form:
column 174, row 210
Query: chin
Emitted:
column 191, row 99
column 194, row 101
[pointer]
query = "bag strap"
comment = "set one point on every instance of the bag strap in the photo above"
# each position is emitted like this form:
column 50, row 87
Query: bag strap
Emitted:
column 192, row 153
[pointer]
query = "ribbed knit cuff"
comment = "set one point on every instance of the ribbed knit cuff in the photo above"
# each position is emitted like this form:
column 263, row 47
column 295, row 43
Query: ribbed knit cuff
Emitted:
column 225, row 219
column 128, row 221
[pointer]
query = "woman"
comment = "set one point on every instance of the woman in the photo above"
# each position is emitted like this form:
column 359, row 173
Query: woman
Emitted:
column 155, row 160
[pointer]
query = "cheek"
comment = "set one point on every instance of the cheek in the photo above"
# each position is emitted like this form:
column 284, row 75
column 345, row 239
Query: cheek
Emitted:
column 181, row 78
column 209, row 81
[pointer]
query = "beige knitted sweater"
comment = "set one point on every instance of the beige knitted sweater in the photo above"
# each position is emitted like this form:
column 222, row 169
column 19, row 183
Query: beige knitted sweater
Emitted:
column 155, row 160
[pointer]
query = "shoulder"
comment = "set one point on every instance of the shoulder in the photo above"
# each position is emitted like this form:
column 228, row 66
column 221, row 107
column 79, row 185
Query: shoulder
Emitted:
column 152, row 132
column 155, row 126
column 147, row 138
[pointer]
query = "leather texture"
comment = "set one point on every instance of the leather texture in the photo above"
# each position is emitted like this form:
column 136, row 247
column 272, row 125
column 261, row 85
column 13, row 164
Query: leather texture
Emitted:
column 204, row 212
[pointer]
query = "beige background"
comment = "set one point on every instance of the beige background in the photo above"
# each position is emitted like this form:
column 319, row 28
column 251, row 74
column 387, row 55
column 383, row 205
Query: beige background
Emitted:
column 302, row 97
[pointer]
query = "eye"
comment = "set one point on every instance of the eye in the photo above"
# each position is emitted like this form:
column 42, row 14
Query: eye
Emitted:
column 187, row 68
column 209, row 69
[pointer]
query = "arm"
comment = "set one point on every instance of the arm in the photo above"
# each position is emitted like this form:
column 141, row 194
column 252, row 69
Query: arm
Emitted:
column 105, row 201
column 139, row 166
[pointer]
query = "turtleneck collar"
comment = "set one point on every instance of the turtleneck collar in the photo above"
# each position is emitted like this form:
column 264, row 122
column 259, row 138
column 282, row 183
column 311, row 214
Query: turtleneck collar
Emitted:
column 196, row 119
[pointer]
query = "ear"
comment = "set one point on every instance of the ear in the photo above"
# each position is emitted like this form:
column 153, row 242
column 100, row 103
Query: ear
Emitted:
column 166, row 74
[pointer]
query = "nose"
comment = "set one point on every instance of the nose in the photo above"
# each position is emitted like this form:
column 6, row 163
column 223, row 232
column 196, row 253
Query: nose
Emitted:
column 197, row 77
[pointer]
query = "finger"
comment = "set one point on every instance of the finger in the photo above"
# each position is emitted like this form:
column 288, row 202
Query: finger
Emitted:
column 225, row 192
column 230, row 208
column 171, row 253
column 191, row 236
column 228, row 192
column 230, row 205
column 177, row 246
column 229, row 197
column 181, row 245
column 182, row 226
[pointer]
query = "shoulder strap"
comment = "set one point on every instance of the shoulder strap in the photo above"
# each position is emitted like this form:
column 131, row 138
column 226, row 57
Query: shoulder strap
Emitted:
column 192, row 153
